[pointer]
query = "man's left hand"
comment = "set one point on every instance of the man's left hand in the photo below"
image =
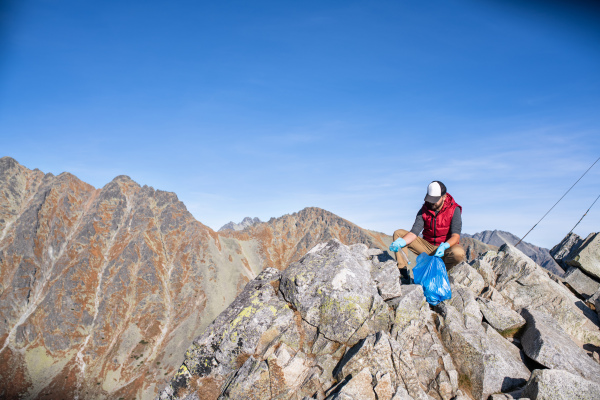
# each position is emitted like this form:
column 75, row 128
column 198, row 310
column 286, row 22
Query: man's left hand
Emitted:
column 441, row 249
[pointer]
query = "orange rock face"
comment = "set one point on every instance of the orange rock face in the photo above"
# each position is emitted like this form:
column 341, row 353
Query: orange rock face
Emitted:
column 103, row 290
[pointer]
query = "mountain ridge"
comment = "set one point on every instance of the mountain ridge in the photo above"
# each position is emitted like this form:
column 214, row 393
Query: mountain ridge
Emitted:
column 538, row 254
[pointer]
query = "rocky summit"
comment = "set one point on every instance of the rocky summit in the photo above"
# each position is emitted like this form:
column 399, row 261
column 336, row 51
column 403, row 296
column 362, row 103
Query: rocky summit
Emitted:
column 538, row 254
column 102, row 290
column 339, row 324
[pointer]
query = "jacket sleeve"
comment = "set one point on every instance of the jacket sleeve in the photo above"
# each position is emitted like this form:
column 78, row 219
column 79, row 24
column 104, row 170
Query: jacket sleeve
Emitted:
column 419, row 223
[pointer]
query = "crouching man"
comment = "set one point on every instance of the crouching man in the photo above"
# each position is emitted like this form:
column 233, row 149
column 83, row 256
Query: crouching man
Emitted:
column 441, row 223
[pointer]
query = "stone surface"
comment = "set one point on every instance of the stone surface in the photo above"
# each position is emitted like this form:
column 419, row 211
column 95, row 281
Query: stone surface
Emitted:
column 548, row 344
column 331, row 289
column 359, row 387
column 269, row 344
column 581, row 283
column 587, row 255
column 465, row 275
column 503, row 319
column 525, row 284
column 486, row 362
column 552, row 384
column 387, row 278
column 566, row 249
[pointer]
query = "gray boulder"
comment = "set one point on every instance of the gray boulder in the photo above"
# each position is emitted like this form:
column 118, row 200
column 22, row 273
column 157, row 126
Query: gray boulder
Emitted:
column 410, row 313
column 465, row 302
column 335, row 292
column 587, row 256
column 554, row 384
column 581, row 283
column 486, row 362
column 387, row 278
column 484, row 268
column 503, row 319
column 525, row 284
column 547, row 343
column 566, row 249
column 358, row 387
column 465, row 275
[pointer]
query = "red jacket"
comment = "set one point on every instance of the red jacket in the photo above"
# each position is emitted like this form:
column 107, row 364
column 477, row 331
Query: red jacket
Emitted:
column 437, row 227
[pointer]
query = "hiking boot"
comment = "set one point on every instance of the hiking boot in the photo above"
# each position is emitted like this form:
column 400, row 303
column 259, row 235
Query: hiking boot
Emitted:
column 405, row 276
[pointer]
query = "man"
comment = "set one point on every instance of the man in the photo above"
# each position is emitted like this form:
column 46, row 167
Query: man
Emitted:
column 441, row 223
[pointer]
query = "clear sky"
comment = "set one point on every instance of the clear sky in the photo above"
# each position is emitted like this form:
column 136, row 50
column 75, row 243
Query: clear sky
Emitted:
column 263, row 108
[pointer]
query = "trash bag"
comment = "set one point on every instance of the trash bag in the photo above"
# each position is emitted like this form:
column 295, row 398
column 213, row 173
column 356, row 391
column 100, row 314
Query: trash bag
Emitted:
column 430, row 272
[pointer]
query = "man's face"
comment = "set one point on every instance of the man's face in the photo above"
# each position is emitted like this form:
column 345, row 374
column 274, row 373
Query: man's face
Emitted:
column 437, row 206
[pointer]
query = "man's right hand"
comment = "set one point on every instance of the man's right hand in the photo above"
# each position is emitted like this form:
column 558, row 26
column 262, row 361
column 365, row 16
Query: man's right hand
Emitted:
column 397, row 244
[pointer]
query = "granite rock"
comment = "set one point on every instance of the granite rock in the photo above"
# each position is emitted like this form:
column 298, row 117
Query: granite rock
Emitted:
column 547, row 343
column 582, row 284
column 465, row 275
column 503, row 319
column 555, row 384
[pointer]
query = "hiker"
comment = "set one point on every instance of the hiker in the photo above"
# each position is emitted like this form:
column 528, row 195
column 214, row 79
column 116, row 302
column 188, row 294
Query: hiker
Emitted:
column 441, row 223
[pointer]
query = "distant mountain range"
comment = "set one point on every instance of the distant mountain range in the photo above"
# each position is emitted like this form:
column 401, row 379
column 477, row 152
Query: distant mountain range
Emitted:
column 246, row 222
column 103, row 290
column 538, row 254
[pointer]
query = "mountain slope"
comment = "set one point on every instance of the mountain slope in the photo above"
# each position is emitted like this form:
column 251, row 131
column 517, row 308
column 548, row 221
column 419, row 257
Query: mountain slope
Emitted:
column 538, row 254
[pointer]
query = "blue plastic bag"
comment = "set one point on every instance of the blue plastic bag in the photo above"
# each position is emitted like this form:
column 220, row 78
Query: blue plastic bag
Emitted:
column 430, row 272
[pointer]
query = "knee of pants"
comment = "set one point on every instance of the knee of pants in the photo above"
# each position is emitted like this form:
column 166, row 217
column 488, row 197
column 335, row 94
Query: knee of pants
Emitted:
column 399, row 233
column 458, row 252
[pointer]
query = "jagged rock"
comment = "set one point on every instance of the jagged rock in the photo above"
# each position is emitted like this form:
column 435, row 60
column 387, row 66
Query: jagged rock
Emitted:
column 246, row 327
column 246, row 222
column 332, row 290
column 483, row 267
column 581, row 283
column 384, row 389
column 503, row 319
column 359, row 387
column 411, row 312
column 467, row 276
column 525, row 284
column 464, row 301
column 548, row 344
column 539, row 255
column 387, row 278
column 595, row 301
column 487, row 363
column 554, row 384
column 492, row 294
column 587, row 255
column 566, row 249
column 374, row 353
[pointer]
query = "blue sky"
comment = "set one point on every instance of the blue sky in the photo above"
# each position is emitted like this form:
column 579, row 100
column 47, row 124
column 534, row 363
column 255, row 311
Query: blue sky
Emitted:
column 263, row 108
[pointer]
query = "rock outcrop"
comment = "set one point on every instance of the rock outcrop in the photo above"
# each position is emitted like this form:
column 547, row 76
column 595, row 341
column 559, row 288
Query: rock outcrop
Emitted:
column 581, row 259
column 323, row 329
column 539, row 255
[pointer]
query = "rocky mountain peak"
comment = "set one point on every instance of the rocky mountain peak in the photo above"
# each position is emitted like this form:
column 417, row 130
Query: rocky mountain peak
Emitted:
column 338, row 324
column 246, row 222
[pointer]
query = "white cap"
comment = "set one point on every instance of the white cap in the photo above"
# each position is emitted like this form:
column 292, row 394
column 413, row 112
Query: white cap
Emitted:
column 435, row 191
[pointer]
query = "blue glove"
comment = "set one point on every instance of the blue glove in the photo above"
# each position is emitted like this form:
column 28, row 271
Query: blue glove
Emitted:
column 440, row 250
column 397, row 244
